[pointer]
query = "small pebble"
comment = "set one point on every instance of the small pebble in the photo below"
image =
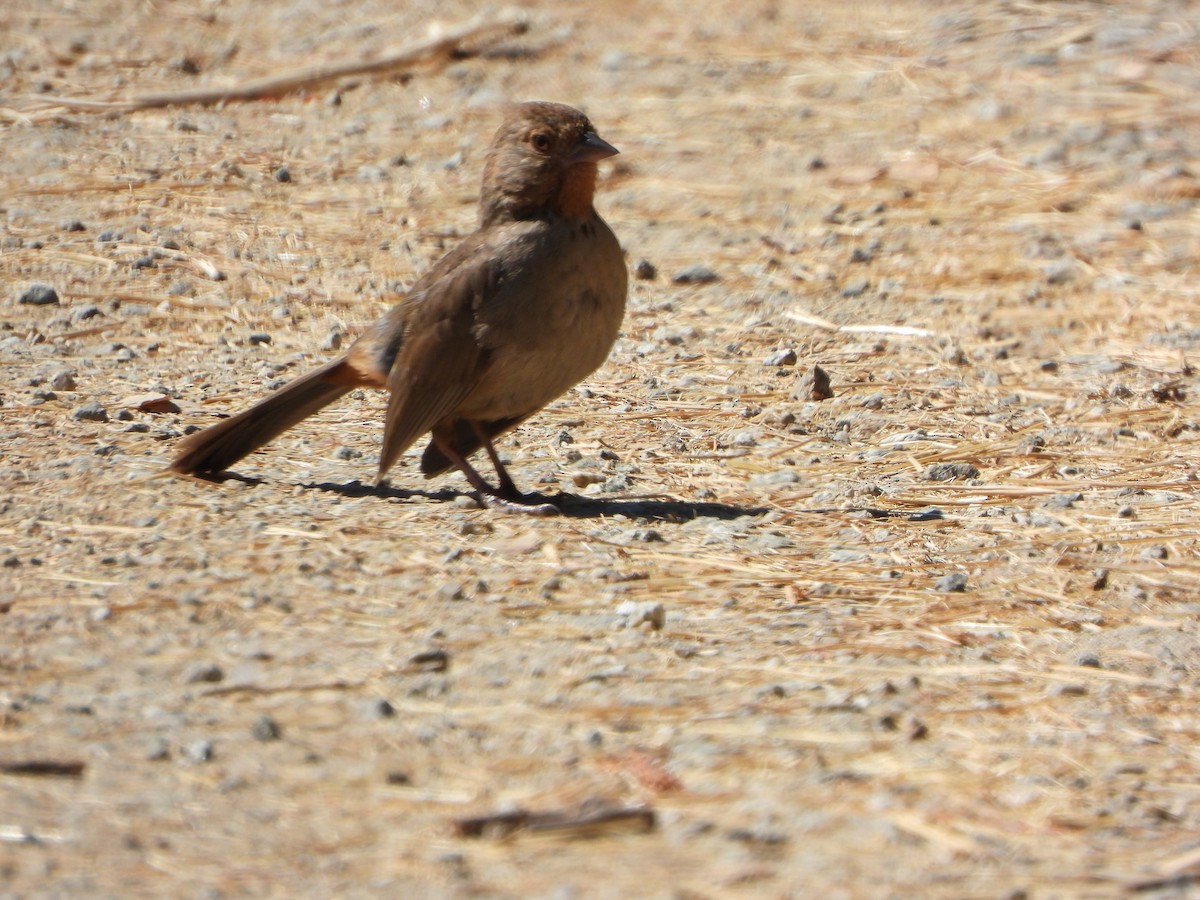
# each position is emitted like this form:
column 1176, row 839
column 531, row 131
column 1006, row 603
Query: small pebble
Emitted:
column 771, row 479
column 813, row 385
column 433, row 660
column 90, row 412
column 282, row 174
column 199, row 751
column 955, row 356
column 950, row 471
column 1063, row 501
column 210, row 271
column 370, row 173
column 698, row 274
column 266, row 729
column 645, row 270
column 1040, row 59
column 614, row 60
column 764, row 837
column 204, row 672
column 647, row 536
column 955, row 582
column 379, row 709
column 745, row 439
column 73, row 225
column 332, row 340
column 633, row 614
column 616, row 484
column 848, row 555
column 39, row 295
column 785, row 357
column 856, row 288
column 1060, row 272
column 675, row 335
column 158, row 750
column 1070, row 690
column 451, row 590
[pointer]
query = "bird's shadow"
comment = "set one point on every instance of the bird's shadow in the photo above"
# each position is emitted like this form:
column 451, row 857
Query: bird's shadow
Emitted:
column 570, row 506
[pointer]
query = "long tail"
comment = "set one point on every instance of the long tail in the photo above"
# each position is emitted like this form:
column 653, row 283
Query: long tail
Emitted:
column 218, row 447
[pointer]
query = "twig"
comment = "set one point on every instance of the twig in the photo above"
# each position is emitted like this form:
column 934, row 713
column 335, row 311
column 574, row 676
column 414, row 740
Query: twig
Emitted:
column 52, row 768
column 584, row 823
column 443, row 45
column 265, row 690
column 806, row 318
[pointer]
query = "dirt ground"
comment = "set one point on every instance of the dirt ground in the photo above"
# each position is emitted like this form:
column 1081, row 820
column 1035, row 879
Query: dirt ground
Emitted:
column 934, row 636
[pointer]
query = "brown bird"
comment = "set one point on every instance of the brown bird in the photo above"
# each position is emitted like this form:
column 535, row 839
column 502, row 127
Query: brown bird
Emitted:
column 521, row 310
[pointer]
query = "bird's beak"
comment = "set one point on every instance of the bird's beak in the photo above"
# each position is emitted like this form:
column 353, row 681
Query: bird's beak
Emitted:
column 591, row 149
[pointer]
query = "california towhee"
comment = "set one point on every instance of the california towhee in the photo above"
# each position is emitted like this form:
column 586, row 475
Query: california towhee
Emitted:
column 521, row 310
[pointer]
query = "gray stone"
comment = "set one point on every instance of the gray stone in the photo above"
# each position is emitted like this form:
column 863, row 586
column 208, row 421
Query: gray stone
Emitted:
column 955, row 582
column 39, row 295
column 90, row 412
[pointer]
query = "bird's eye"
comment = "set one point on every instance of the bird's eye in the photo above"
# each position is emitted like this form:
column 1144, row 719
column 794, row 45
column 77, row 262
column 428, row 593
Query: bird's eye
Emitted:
column 540, row 141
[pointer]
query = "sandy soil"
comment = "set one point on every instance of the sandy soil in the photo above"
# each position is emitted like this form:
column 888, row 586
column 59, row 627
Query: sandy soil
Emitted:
column 933, row 636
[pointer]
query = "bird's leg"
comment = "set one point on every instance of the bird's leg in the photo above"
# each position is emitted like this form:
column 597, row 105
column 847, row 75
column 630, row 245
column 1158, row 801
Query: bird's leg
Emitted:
column 506, row 498
column 504, row 483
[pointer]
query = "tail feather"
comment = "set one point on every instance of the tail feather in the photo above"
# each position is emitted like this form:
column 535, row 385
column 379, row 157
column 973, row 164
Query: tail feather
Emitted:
column 216, row 448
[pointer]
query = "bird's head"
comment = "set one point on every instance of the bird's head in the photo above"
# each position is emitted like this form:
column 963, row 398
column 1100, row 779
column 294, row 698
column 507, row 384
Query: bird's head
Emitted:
column 542, row 161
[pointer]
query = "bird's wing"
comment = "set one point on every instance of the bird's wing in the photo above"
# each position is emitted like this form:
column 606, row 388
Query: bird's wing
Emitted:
column 441, row 359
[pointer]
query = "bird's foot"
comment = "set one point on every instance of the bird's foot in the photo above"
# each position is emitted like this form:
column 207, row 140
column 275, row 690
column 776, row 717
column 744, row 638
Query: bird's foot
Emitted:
column 518, row 503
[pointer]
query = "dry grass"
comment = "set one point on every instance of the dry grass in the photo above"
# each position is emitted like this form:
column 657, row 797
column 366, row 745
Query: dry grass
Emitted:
column 818, row 716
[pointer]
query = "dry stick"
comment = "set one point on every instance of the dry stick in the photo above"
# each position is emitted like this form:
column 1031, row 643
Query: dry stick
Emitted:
column 307, row 78
column 44, row 767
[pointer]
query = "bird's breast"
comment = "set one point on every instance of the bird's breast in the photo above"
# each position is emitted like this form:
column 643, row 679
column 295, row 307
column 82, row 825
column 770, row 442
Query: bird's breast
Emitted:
column 553, row 319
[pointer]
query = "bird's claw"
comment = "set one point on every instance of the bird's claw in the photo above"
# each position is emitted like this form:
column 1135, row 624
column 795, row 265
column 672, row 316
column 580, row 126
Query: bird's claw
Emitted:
column 519, row 505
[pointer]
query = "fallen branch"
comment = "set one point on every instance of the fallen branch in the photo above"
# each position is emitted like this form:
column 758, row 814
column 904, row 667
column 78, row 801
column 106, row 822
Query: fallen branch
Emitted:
column 445, row 45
